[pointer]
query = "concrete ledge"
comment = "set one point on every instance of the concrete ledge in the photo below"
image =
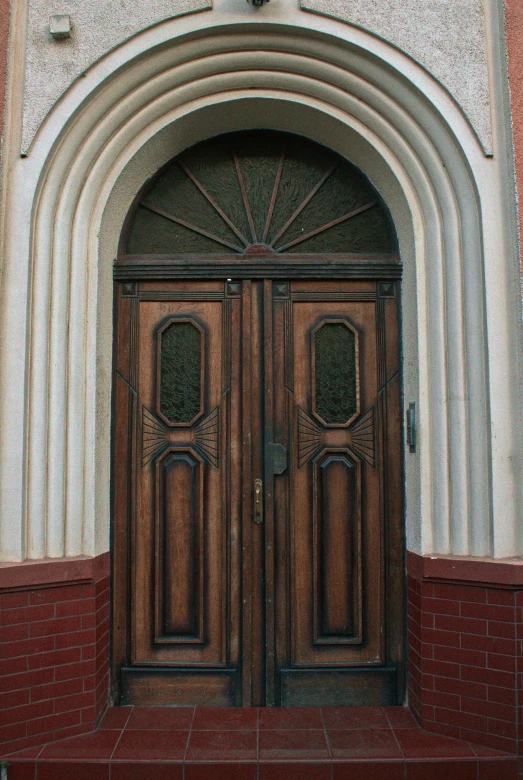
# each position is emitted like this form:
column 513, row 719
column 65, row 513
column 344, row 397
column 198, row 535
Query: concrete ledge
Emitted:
column 505, row 572
column 47, row 572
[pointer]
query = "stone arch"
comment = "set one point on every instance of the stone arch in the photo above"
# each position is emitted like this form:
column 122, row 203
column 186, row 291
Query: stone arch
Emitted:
column 141, row 105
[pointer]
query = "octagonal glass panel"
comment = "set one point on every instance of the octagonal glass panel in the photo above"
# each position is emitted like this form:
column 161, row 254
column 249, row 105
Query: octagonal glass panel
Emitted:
column 336, row 374
column 180, row 373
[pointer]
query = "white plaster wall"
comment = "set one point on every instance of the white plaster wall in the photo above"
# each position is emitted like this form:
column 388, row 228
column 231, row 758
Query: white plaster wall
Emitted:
column 98, row 26
column 445, row 36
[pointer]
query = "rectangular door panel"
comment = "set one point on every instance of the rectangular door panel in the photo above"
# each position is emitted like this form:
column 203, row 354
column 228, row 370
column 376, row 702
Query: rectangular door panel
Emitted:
column 358, row 687
column 335, row 489
column 336, row 517
column 180, row 553
column 179, row 519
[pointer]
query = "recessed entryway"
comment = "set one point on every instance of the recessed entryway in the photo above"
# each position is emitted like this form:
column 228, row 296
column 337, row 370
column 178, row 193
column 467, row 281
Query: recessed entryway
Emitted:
column 258, row 538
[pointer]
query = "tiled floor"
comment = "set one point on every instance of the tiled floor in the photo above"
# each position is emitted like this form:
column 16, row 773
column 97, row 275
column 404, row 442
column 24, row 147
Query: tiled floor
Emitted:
column 371, row 743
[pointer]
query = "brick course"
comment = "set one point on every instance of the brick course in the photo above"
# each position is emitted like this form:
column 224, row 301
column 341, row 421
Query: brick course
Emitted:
column 54, row 662
column 465, row 661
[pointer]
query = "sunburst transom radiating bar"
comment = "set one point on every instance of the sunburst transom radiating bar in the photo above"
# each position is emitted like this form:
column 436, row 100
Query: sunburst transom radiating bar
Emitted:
column 260, row 192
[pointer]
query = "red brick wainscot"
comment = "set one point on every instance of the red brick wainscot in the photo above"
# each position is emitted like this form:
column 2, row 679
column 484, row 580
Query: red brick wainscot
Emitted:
column 54, row 649
column 465, row 637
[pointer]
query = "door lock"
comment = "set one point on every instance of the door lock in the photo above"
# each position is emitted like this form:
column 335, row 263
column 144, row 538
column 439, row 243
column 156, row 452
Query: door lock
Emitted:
column 258, row 501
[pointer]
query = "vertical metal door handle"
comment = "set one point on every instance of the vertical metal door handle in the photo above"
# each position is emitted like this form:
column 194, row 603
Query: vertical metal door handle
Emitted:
column 258, row 501
column 411, row 427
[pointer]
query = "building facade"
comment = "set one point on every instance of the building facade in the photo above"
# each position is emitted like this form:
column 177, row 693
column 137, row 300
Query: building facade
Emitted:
column 276, row 191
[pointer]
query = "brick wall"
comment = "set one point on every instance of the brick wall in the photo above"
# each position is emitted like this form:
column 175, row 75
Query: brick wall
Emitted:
column 54, row 661
column 465, row 665
column 101, row 648
column 519, row 667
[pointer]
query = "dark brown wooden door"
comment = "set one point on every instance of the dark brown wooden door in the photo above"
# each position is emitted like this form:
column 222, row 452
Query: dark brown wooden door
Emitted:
column 258, row 511
column 336, row 515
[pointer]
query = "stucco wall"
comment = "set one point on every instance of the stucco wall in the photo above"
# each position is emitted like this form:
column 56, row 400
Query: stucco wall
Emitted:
column 97, row 27
column 447, row 37
column 514, row 21
column 5, row 8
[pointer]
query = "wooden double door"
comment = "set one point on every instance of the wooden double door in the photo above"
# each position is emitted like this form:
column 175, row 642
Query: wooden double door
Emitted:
column 258, row 540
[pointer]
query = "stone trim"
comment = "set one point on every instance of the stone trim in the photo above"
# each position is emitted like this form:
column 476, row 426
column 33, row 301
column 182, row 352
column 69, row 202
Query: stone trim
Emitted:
column 46, row 573
column 453, row 568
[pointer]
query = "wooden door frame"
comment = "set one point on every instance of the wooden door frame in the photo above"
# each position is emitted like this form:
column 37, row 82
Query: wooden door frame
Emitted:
column 127, row 275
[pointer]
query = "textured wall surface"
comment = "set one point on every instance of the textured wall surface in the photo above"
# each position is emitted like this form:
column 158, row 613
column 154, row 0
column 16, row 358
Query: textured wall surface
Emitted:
column 98, row 26
column 445, row 36
column 5, row 8
column 514, row 17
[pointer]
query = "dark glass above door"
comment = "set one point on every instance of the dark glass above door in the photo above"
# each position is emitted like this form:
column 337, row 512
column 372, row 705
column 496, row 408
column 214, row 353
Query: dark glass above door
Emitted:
column 259, row 192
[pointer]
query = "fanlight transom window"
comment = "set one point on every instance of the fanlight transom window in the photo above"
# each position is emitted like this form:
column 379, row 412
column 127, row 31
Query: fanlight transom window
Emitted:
column 259, row 192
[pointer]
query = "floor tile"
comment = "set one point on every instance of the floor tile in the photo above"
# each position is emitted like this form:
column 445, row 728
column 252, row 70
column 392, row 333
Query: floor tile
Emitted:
column 221, row 746
column 32, row 752
column 115, row 718
column 291, row 746
column 289, row 718
column 363, row 743
column 505, row 744
column 222, row 719
column 400, row 718
column 441, row 770
column 291, row 743
column 484, row 751
column 151, row 746
column 354, row 718
column 146, row 771
column 368, row 770
column 500, row 769
column 95, row 746
column 71, row 770
column 295, row 771
column 166, row 718
column 416, row 743
column 220, row 771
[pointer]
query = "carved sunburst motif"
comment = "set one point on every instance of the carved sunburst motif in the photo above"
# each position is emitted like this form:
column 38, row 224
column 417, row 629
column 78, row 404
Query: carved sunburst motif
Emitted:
column 153, row 436
column 207, row 437
column 257, row 193
column 363, row 437
column 312, row 438
column 156, row 437
column 309, row 437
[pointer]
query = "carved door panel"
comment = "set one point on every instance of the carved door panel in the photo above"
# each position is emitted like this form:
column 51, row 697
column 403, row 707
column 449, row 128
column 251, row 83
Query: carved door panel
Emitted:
column 338, row 509
column 183, row 471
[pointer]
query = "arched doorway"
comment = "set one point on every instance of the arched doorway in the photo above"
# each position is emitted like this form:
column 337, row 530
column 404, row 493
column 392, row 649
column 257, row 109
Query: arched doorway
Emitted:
column 258, row 531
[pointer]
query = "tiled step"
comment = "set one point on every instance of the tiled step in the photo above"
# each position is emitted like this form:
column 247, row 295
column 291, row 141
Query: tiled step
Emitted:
column 186, row 743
